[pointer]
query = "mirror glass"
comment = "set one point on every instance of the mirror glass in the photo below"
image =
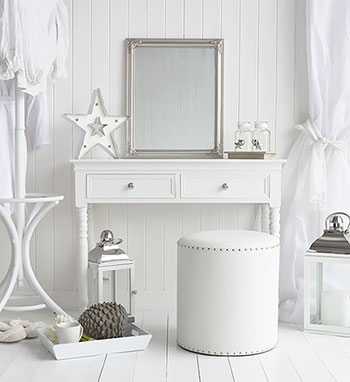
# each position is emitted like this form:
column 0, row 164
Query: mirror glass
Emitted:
column 173, row 100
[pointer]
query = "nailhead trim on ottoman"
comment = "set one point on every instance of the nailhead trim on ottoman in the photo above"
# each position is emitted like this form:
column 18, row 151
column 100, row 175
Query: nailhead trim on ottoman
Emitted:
column 225, row 354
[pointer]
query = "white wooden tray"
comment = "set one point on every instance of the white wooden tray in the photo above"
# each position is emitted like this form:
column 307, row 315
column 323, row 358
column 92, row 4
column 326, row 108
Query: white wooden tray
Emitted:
column 135, row 339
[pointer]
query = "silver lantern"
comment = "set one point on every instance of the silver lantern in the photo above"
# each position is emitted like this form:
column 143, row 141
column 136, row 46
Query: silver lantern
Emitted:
column 106, row 259
column 326, row 307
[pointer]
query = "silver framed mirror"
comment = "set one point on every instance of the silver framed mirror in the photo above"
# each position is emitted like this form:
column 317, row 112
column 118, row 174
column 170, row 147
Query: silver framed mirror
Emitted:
column 175, row 98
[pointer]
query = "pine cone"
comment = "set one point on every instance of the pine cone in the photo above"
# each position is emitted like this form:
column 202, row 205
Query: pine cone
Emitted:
column 104, row 320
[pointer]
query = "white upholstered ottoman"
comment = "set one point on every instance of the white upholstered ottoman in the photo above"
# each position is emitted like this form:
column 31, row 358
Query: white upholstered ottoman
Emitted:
column 227, row 292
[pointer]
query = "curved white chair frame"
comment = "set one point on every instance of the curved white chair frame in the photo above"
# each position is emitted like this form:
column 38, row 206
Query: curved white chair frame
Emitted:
column 20, row 251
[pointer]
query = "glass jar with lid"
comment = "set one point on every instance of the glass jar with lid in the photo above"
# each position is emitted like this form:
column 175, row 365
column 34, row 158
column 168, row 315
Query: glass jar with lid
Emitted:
column 261, row 138
column 243, row 137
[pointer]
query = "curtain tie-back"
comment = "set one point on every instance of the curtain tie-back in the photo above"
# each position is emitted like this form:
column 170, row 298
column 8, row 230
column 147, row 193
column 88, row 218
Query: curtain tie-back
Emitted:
column 314, row 175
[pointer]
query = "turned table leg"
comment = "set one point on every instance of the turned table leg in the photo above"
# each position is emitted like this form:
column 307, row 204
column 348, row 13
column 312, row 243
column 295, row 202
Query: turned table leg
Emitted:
column 265, row 218
column 82, row 257
column 91, row 232
column 275, row 221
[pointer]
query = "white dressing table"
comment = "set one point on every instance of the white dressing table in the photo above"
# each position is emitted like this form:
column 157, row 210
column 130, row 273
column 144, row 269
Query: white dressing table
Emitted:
column 172, row 181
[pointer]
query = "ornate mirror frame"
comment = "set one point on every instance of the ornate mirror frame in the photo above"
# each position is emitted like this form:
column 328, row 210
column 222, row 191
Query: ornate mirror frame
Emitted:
column 217, row 150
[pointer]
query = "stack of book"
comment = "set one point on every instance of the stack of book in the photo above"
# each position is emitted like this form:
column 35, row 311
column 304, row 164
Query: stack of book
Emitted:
column 250, row 155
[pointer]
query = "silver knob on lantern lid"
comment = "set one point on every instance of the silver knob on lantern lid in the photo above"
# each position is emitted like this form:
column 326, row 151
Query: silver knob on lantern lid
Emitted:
column 107, row 240
column 336, row 224
column 106, row 235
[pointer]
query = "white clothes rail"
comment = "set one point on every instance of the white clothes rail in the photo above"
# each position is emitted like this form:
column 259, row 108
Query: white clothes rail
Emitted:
column 21, row 229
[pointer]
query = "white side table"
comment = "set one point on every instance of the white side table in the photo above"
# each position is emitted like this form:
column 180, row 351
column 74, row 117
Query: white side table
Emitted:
column 169, row 181
column 97, row 270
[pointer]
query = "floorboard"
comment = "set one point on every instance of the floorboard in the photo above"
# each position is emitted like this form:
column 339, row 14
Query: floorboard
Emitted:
column 8, row 353
column 246, row 369
column 344, row 343
column 151, row 364
column 278, row 366
column 213, row 369
column 26, row 363
column 80, row 369
column 298, row 357
column 121, row 367
column 304, row 358
column 332, row 355
column 182, row 364
column 15, row 351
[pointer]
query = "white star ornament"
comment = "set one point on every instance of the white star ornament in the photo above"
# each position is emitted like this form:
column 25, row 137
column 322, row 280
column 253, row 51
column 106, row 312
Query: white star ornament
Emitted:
column 98, row 127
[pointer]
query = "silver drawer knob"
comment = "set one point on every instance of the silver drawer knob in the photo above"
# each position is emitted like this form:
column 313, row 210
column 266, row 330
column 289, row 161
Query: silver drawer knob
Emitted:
column 131, row 186
column 225, row 186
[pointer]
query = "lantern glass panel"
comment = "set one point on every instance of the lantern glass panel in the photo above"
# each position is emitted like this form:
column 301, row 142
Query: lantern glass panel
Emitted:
column 330, row 294
column 316, row 286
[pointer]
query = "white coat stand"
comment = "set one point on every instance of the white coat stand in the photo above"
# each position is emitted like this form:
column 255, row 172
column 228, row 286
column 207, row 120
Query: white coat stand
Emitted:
column 21, row 229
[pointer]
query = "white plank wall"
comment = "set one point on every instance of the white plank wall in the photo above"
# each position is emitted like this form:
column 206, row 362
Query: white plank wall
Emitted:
column 265, row 78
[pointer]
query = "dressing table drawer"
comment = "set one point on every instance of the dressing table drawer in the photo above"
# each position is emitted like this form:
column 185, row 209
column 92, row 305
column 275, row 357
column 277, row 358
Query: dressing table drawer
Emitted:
column 130, row 186
column 225, row 186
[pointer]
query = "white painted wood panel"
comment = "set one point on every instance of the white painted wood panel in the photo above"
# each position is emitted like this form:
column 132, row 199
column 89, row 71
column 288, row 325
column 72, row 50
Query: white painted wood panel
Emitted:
column 249, row 21
column 174, row 21
column 156, row 18
column 265, row 78
column 285, row 76
column 62, row 180
column 136, row 242
column 212, row 18
column 137, row 16
column 154, row 248
column 267, row 53
column 173, row 228
column 193, row 18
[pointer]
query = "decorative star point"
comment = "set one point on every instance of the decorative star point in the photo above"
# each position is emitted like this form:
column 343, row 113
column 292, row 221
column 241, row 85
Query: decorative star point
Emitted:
column 98, row 127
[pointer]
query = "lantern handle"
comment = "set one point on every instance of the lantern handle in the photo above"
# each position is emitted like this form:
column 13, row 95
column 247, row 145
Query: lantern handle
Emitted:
column 331, row 216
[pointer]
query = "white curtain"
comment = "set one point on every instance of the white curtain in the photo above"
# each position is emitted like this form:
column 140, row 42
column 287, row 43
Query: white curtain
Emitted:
column 316, row 178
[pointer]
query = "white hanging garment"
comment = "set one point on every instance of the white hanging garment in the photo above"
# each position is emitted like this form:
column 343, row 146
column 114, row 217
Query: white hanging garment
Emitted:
column 316, row 178
column 33, row 42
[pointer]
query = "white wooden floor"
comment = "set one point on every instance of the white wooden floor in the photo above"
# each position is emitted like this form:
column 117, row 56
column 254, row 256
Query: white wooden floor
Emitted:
column 299, row 357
